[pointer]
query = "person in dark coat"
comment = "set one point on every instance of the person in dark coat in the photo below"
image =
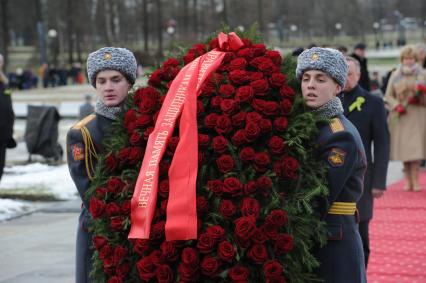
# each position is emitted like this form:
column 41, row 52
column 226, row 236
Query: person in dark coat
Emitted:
column 7, row 118
column 359, row 54
column 323, row 72
column 87, row 108
column 112, row 71
column 367, row 112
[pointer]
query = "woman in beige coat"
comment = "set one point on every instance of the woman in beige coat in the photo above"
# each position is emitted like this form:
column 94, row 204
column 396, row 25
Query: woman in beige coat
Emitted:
column 407, row 118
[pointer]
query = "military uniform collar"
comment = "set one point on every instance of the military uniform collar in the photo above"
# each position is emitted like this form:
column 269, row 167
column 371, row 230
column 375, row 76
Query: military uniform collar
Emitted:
column 106, row 111
column 330, row 109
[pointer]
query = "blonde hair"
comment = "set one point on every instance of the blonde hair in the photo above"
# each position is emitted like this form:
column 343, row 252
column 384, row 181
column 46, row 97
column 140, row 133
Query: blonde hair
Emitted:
column 407, row 51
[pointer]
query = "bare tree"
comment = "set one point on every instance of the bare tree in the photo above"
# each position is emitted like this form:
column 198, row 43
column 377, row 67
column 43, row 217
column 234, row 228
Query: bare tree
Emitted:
column 4, row 5
column 159, row 29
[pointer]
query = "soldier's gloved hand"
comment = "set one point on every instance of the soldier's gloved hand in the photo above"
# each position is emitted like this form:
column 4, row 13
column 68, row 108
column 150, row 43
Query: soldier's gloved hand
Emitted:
column 377, row 193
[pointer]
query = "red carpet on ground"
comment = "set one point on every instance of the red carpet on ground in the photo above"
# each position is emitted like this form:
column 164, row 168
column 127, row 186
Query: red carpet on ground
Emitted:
column 398, row 236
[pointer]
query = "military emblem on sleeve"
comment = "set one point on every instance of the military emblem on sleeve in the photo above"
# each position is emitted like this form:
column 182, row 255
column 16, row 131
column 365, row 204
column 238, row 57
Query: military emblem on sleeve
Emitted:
column 77, row 152
column 336, row 157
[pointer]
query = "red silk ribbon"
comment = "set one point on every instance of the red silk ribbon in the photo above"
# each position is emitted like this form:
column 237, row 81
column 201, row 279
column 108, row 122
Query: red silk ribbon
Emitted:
column 181, row 223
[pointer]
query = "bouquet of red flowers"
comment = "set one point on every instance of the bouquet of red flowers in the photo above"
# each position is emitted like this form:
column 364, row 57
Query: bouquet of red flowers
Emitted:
column 256, row 186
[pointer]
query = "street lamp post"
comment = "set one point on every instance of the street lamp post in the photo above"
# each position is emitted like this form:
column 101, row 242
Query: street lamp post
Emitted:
column 376, row 26
column 53, row 45
column 338, row 27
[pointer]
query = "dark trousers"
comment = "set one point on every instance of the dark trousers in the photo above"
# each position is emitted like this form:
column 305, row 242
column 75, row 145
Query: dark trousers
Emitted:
column 2, row 156
column 363, row 231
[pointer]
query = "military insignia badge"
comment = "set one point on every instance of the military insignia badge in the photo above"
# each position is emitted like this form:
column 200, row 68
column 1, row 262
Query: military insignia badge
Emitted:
column 314, row 57
column 336, row 157
column 107, row 56
column 77, row 152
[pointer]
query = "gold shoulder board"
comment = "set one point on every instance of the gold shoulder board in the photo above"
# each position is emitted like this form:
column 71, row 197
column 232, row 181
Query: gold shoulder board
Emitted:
column 336, row 125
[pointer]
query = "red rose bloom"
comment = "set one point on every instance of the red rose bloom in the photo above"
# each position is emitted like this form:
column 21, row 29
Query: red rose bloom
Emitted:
column 238, row 119
column 259, row 237
column 203, row 140
column 254, row 76
column 239, row 274
column 286, row 106
column 189, row 57
column 273, row 269
column 239, row 138
column 287, row 92
column 250, row 187
column 144, row 121
column 164, row 274
column 244, row 94
column 265, row 126
column 257, row 253
column 237, row 64
column 120, row 253
column 277, row 80
column 270, row 108
column 219, row 144
column 202, row 205
column 280, row 124
column 238, row 77
column 260, row 87
column 228, row 106
column 146, row 268
column 250, row 207
column 227, row 208
column 106, row 251
column 96, row 207
column 245, row 227
column 141, row 246
column 170, row 251
column 247, row 53
column 188, row 273
column 112, row 209
column 283, row 244
column 115, row 279
column 223, row 125
column 163, row 188
column 111, row 162
column 123, row 269
column 215, row 103
column 276, row 145
column 125, row 207
column 232, row 186
column 206, row 243
column 253, row 117
column 171, row 62
column 146, row 99
column 101, row 192
column 216, row 186
column 275, row 56
column 261, row 161
column 135, row 139
column 259, row 49
column 247, row 154
column 252, row 131
column 290, row 165
column 226, row 251
column 258, row 104
column 155, row 78
column 99, row 242
column 190, row 257
column 277, row 217
column 268, row 67
column 115, row 185
column 225, row 163
column 157, row 231
column 210, row 266
column 227, row 90
column 210, row 120
column 264, row 185
column 117, row 223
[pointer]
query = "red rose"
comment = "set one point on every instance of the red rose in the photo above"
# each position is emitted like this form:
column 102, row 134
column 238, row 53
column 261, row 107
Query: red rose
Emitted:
column 155, row 78
column 203, row 140
column 136, row 155
column 115, row 279
column 157, row 231
column 277, row 80
column 250, row 187
column 238, row 77
column 228, row 106
column 259, row 49
column 187, row 273
column 207, row 90
column 239, row 274
column 120, row 253
column 257, row 253
column 271, row 108
column 287, row 92
column 146, row 99
column 247, row 53
column 244, row 93
column 216, row 232
column 232, row 186
column 147, row 132
column 171, row 62
column 99, row 242
column 254, row 76
column 277, row 217
column 286, row 106
column 258, row 104
column 112, row 209
column 163, row 188
column 214, row 43
column 245, row 227
column 219, row 144
column 225, row 163
column 226, row 90
column 215, row 103
column 275, row 56
column 211, row 120
column 111, row 162
column 253, row 117
column 265, row 126
column 283, row 244
column 400, row 109
column 116, row 223
column 239, row 138
column 216, row 186
column 237, row 64
column 144, row 121
column 247, row 154
column 290, row 165
column 252, row 131
column 123, row 155
column 226, row 251
column 105, row 252
column 130, row 117
column 280, row 124
column 146, row 268
column 206, row 243
column 238, row 119
column 223, row 125
column 96, row 207
column 276, row 145
column 190, row 257
column 268, row 67
column 215, row 79
column 123, row 269
column 250, row 207
column 200, row 107
column 135, row 139
column 273, row 269
column 169, row 250
column 189, row 57
column 115, row 185
column 101, row 192
column 202, row 205
column 259, row 237
column 260, row 87
column 261, row 161
column 125, row 207
column 264, row 185
column 227, row 208
column 164, row 274
column 141, row 246
column 270, row 231
column 210, row 266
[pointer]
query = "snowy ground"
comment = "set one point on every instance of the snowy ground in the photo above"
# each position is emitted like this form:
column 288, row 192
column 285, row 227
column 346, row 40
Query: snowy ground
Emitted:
column 33, row 181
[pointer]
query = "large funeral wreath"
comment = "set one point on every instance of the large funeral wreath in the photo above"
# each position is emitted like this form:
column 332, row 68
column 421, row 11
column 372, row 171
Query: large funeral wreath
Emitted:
column 257, row 184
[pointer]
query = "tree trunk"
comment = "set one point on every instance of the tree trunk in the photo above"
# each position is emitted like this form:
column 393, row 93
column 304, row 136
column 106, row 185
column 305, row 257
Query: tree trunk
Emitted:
column 70, row 33
column 225, row 12
column 159, row 30
column 5, row 31
column 260, row 17
column 145, row 26
column 195, row 18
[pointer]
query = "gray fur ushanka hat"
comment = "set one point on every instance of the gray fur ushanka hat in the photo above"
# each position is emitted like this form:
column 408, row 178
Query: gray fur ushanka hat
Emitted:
column 111, row 58
column 330, row 61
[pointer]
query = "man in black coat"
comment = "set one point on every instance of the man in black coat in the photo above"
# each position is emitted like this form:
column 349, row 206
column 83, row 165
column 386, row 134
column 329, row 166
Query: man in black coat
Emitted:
column 359, row 55
column 367, row 112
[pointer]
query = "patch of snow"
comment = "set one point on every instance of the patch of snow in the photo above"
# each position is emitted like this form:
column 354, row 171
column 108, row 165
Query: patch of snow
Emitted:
column 10, row 208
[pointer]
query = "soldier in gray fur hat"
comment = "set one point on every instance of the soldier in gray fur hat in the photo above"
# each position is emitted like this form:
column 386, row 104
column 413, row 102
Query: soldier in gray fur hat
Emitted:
column 112, row 72
column 323, row 73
